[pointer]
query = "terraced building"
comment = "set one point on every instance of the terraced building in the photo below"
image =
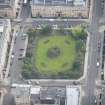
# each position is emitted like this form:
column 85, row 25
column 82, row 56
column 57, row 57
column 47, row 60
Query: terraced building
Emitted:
column 5, row 31
column 60, row 8
column 8, row 8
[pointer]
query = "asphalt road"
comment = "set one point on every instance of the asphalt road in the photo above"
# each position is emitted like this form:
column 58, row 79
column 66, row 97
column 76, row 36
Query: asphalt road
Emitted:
column 25, row 12
column 15, row 68
column 92, row 71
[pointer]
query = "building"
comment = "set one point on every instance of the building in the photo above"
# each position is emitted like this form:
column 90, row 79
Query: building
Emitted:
column 8, row 8
column 8, row 99
column 21, row 92
column 37, row 95
column 1, row 96
column 5, row 31
column 60, row 8
column 73, row 95
column 48, row 95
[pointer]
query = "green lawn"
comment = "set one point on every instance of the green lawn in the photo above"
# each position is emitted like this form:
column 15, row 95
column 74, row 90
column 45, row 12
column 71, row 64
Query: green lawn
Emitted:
column 61, row 62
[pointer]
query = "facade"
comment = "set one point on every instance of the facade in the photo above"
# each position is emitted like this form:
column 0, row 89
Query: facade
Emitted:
column 21, row 94
column 60, row 8
column 5, row 31
column 8, row 8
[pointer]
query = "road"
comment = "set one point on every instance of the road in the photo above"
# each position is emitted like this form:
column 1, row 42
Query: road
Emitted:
column 92, row 71
column 16, row 66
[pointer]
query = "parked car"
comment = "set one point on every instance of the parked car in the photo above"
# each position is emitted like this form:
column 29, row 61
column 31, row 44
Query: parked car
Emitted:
column 21, row 49
column 98, row 63
column 19, row 58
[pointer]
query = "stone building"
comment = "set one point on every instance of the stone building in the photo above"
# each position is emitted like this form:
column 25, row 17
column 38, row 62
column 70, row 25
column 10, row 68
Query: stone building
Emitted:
column 60, row 8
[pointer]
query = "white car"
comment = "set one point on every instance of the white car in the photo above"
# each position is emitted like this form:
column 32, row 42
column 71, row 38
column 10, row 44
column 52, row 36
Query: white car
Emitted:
column 12, row 56
column 98, row 64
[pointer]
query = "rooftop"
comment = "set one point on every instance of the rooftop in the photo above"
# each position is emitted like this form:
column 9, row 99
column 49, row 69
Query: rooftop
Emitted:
column 59, row 2
column 47, row 95
column 8, row 99
column 6, row 3
column 21, row 93
column 51, row 93
column 3, row 26
column 38, row 95
column 73, row 94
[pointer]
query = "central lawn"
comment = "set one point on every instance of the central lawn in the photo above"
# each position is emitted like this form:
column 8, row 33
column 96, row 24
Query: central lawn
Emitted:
column 63, row 62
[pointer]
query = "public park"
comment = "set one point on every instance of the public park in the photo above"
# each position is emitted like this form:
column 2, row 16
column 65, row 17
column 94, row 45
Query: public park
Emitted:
column 56, row 54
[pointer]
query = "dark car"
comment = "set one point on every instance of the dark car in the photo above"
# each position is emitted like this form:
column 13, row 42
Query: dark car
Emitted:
column 19, row 58
column 21, row 49
column 99, row 46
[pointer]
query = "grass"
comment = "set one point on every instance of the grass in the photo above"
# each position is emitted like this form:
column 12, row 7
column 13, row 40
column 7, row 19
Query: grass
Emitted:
column 63, row 62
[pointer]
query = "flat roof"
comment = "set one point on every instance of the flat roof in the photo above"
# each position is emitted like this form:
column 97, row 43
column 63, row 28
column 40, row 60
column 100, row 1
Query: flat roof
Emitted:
column 59, row 2
column 73, row 94
column 8, row 99
column 51, row 92
column 2, row 29
column 22, row 93
column 6, row 3
column 35, row 90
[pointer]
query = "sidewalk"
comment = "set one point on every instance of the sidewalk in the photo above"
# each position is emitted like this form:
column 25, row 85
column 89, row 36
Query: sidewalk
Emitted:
column 2, row 93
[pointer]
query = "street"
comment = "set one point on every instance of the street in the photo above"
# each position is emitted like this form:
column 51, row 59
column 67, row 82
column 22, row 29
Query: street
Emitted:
column 92, row 71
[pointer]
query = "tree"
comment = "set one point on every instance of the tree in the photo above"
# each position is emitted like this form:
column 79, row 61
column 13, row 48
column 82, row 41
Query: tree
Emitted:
column 77, row 65
column 80, row 46
column 26, row 74
column 32, row 33
column 46, row 30
column 27, row 66
column 79, row 32
column 62, row 30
